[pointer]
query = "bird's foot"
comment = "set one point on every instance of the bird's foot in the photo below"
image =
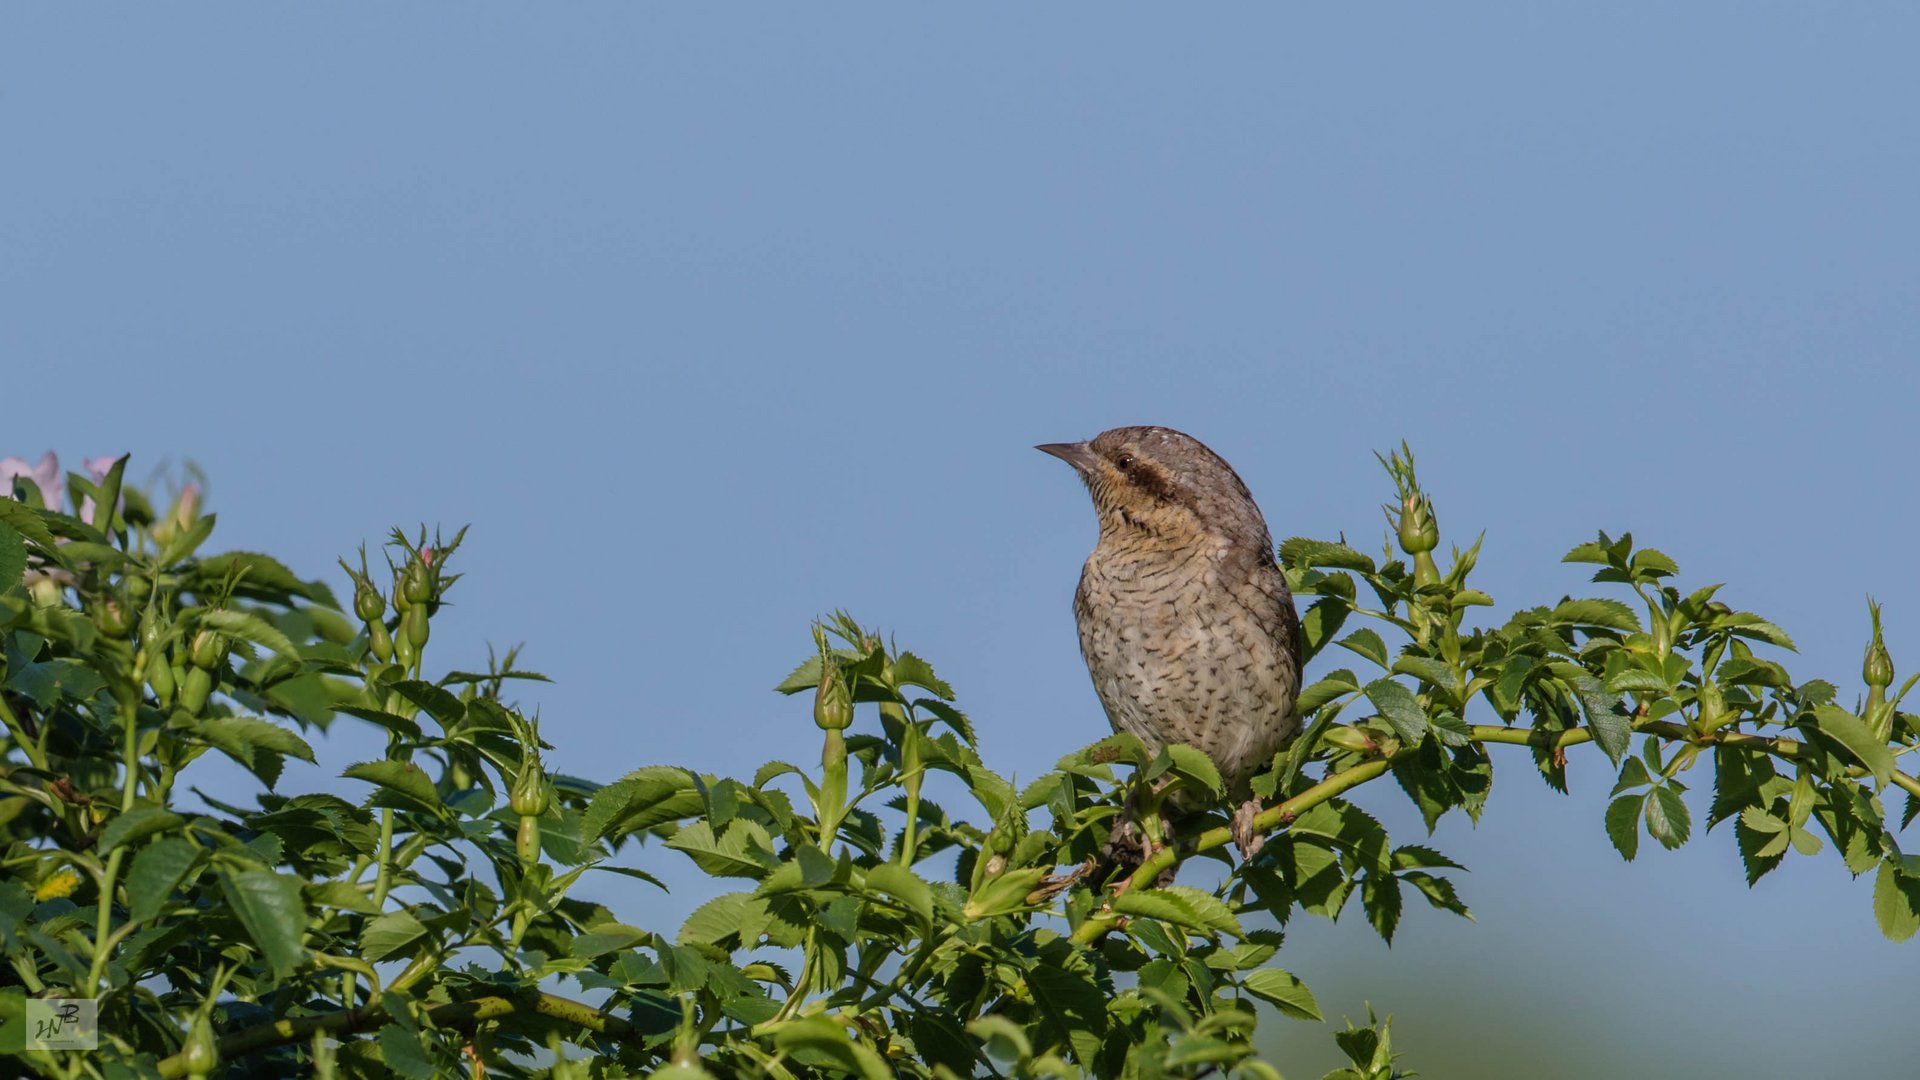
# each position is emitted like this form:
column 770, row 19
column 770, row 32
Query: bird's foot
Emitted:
column 1054, row 884
column 1245, row 839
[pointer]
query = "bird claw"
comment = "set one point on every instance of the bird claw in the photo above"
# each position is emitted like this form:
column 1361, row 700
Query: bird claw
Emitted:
column 1245, row 838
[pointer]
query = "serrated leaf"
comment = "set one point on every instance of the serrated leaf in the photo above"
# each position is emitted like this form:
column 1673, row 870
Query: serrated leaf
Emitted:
column 1595, row 611
column 1196, row 767
column 1182, row 906
column 1320, row 622
column 1429, row 670
column 1284, row 992
column 1611, row 726
column 1333, row 685
column 137, row 824
column 951, row 716
column 742, row 849
column 157, row 871
column 389, row 933
column 1851, row 732
column 1300, row 551
column 412, row 787
column 910, row 670
column 828, row 1039
column 1896, row 902
column 1367, row 644
column 269, row 905
column 1623, row 824
column 403, row 1054
column 1668, row 819
column 26, row 521
column 445, row 708
column 1633, row 774
column 1439, row 892
column 804, row 677
column 1748, row 625
column 1399, row 708
column 903, row 885
column 13, row 555
column 648, row 796
column 250, row 627
column 1627, row 680
column 1380, row 896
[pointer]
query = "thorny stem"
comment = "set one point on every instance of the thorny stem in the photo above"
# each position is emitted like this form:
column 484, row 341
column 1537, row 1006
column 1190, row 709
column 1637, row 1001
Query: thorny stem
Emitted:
column 1100, row 922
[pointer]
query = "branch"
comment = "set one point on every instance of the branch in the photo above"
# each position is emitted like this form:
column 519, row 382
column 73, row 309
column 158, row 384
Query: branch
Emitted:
column 1273, row 817
column 453, row 1014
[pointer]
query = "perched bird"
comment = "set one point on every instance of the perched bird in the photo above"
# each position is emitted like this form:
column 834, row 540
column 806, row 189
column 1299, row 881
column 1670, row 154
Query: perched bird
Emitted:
column 1186, row 622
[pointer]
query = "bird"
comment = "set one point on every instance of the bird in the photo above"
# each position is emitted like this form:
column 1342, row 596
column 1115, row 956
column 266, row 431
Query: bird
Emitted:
column 1185, row 619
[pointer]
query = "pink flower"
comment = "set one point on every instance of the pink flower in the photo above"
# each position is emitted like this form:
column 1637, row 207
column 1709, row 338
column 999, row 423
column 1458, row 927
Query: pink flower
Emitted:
column 45, row 476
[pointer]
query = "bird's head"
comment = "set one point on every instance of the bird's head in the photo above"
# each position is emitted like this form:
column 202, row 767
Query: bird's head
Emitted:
column 1163, row 484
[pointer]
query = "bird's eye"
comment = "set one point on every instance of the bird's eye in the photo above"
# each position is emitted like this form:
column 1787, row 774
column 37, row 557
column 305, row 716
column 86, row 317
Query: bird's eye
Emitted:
column 1124, row 461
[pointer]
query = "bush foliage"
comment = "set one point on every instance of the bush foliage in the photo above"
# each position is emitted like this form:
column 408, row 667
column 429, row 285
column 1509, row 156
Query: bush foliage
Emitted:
column 859, row 927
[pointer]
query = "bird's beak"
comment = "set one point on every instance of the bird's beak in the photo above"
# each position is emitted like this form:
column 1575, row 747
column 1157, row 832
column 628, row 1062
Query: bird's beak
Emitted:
column 1076, row 454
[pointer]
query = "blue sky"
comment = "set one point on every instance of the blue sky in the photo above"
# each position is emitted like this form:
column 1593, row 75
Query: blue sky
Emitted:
column 709, row 323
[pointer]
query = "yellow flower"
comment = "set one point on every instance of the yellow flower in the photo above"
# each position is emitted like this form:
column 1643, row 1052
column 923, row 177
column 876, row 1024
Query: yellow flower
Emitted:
column 59, row 884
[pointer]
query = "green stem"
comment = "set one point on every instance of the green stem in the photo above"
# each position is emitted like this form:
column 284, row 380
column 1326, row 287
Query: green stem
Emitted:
column 383, row 880
column 1097, row 924
column 103, row 938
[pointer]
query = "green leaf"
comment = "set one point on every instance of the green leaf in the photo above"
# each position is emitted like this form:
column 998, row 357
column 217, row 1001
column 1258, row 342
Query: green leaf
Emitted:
column 1398, row 707
column 1632, row 775
column 1320, row 623
column 108, row 500
column 269, row 905
column 712, row 921
column 1748, row 625
column 1623, row 824
column 951, row 716
column 1668, row 819
column 389, row 933
column 1299, row 551
column 910, row 670
column 1611, row 725
column 817, row 1035
column 255, row 743
column 1627, row 680
column 26, row 521
column 137, row 824
column 1380, row 896
column 1851, row 732
column 1284, row 992
column 402, row 1053
column 742, row 849
column 13, row 555
column 1182, row 906
column 901, row 884
column 1896, row 901
column 1367, row 644
column 47, row 682
column 608, row 937
column 1438, row 891
column 447, row 710
column 410, row 786
column 1196, row 768
column 157, row 871
column 1429, row 670
column 266, row 577
column 646, row 797
column 1333, row 685
column 1611, row 614
column 250, row 627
